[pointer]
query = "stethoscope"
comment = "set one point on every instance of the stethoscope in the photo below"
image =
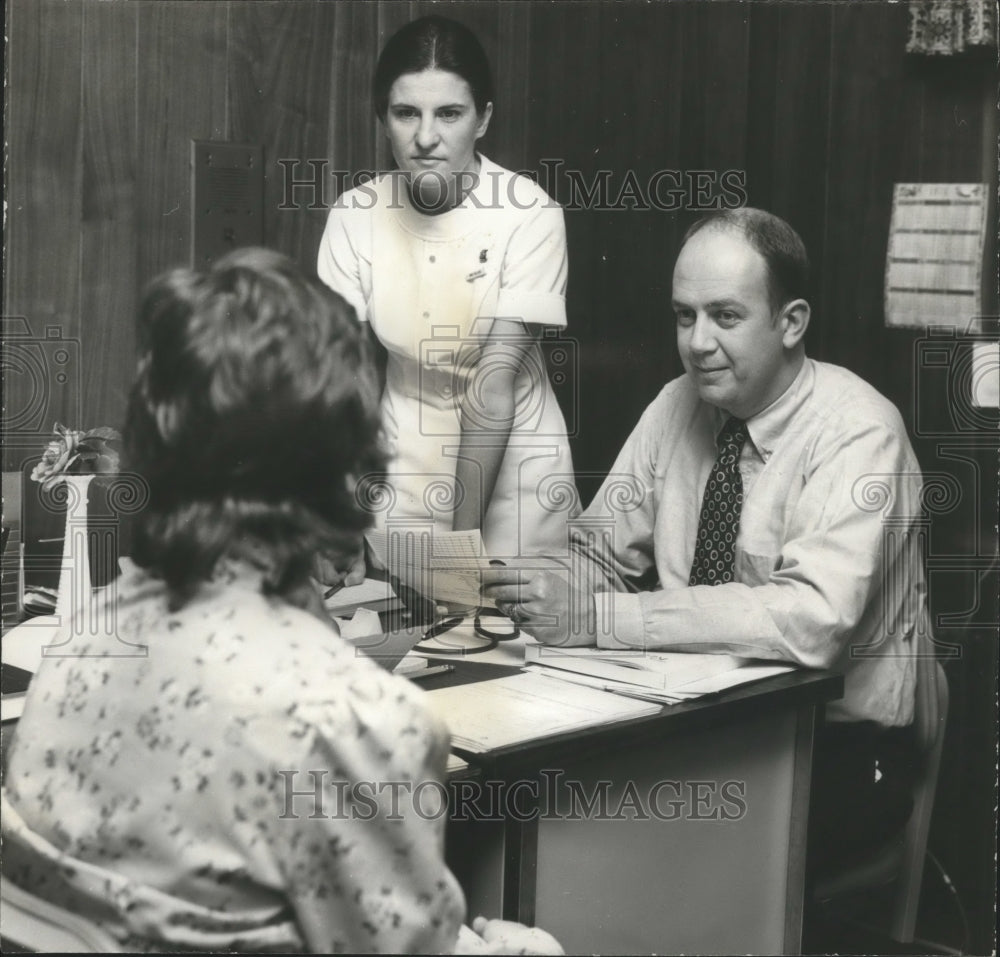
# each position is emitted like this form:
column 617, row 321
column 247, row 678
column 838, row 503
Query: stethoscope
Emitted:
column 492, row 638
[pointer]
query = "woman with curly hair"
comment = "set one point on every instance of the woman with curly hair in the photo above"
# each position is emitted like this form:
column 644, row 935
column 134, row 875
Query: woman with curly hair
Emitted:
column 197, row 780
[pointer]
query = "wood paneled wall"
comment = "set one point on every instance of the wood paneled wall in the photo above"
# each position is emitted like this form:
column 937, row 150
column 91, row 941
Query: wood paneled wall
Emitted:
column 816, row 105
column 104, row 98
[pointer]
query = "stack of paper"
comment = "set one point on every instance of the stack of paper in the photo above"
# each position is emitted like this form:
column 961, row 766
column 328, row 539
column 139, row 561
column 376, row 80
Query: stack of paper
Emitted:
column 457, row 767
column 525, row 707
column 665, row 677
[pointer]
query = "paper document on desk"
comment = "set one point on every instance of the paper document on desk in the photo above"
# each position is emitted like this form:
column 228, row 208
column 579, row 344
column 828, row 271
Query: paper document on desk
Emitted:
column 12, row 706
column 616, row 687
column 658, row 676
column 372, row 594
column 755, row 671
column 525, row 707
column 361, row 624
column 445, row 566
column 456, row 766
column 24, row 646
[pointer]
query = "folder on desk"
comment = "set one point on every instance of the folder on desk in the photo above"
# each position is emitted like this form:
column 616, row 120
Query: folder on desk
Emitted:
column 666, row 677
column 525, row 707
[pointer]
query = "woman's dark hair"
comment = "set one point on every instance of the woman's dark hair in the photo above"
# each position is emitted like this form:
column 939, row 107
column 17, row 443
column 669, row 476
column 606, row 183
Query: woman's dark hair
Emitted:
column 780, row 246
column 433, row 43
column 254, row 411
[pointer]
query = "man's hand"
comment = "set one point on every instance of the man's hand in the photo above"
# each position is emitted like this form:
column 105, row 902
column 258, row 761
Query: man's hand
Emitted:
column 509, row 937
column 545, row 602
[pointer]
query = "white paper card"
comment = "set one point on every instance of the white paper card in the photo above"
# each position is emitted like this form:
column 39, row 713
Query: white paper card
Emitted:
column 445, row 566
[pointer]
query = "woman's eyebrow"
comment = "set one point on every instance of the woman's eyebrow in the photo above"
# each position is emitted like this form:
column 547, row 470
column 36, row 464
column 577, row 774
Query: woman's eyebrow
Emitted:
column 412, row 106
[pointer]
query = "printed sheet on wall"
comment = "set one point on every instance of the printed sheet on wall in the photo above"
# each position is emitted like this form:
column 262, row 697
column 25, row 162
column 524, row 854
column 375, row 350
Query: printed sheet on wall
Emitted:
column 933, row 274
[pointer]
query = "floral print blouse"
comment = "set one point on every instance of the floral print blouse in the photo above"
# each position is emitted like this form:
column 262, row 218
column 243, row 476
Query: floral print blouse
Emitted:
column 232, row 776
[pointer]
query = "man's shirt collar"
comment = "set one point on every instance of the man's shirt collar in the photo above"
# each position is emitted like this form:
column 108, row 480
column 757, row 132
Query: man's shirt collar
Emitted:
column 767, row 426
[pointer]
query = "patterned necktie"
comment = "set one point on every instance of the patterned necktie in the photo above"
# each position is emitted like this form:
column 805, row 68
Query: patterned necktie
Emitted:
column 720, row 510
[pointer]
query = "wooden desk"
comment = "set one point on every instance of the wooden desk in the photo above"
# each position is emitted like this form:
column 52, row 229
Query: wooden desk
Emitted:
column 701, row 844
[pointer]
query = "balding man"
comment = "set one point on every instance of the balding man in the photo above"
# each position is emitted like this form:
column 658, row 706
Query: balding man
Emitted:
column 772, row 499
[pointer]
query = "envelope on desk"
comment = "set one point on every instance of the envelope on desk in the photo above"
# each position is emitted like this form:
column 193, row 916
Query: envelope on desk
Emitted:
column 371, row 594
column 387, row 649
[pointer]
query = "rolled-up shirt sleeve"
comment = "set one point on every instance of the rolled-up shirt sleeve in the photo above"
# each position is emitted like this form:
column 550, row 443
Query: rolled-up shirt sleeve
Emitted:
column 612, row 545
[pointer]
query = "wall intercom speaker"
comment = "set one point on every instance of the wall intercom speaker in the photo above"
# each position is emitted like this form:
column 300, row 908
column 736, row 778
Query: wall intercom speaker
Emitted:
column 227, row 195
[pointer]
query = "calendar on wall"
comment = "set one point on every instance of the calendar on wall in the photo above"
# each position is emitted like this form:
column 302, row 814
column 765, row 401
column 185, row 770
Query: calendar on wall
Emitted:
column 934, row 266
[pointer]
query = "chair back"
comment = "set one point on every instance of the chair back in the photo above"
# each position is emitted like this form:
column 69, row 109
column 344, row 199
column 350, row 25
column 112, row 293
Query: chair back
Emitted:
column 930, row 717
column 930, row 708
column 901, row 858
column 32, row 924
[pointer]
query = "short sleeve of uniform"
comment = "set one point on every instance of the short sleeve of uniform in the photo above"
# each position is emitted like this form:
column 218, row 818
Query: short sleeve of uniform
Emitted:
column 339, row 261
column 535, row 267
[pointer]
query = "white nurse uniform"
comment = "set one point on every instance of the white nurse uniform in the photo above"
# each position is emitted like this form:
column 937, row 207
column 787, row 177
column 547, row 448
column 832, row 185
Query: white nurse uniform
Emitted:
column 431, row 285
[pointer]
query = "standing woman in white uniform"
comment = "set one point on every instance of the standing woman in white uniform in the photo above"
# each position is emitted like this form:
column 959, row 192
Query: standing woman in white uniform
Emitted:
column 459, row 265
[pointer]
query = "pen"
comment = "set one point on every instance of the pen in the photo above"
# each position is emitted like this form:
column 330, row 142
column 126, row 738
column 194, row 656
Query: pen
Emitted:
column 332, row 590
column 432, row 670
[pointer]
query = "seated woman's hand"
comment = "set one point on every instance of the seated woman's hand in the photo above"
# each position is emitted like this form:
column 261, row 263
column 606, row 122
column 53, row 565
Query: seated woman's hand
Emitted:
column 509, row 937
column 328, row 573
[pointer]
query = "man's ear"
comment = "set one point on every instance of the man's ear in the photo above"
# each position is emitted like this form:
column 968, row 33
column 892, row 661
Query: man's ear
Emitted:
column 484, row 120
column 795, row 320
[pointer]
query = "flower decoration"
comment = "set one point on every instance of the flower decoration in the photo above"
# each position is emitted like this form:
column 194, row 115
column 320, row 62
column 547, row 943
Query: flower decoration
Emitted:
column 95, row 452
